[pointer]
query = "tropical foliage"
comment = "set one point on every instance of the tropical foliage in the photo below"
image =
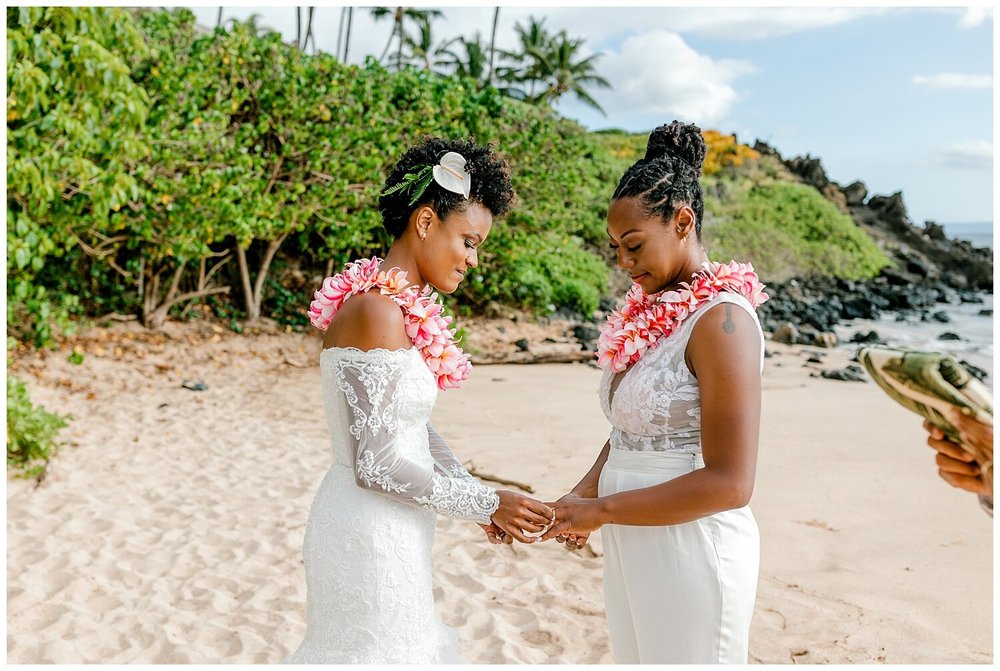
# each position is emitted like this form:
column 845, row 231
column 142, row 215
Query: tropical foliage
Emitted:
column 71, row 159
column 794, row 232
column 151, row 165
column 32, row 432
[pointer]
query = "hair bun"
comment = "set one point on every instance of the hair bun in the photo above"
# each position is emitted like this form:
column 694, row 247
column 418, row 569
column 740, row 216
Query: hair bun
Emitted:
column 680, row 140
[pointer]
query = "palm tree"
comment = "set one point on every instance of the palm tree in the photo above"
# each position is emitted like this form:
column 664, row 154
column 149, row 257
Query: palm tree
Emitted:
column 560, row 73
column 524, row 67
column 399, row 17
column 473, row 63
column 309, row 31
column 493, row 42
column 252, row 24
column 347, row 35
column 424, row 53
column 342, row 36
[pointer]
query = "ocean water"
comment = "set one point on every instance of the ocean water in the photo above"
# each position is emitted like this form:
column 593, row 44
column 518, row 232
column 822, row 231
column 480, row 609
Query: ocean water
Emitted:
column 976, row 331
column 979, row 234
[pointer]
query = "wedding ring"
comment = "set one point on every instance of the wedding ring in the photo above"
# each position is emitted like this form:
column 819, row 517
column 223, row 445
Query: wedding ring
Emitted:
column 536, row 534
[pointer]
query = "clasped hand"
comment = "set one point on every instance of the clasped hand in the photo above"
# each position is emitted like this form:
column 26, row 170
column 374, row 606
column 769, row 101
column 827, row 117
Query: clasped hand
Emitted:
column 569, row 520
column 518, row 517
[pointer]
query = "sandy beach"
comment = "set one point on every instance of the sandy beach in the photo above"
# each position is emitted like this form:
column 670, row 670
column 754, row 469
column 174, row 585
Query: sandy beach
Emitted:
column 169, row 530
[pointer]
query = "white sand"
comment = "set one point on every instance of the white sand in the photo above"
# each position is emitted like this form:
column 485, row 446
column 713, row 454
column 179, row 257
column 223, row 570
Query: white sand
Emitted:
column 171, row 530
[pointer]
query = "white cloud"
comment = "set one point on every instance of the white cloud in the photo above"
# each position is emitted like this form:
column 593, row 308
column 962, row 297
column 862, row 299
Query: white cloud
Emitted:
column 954, row 80
column 759, row 23
column 972, row 17
column 730, row 23
column 658, row 74
column 971, row 155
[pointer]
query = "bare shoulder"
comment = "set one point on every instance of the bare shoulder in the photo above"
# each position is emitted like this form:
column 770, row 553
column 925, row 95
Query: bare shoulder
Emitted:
column 726, row 318
column 368, row 321
column 725, row 333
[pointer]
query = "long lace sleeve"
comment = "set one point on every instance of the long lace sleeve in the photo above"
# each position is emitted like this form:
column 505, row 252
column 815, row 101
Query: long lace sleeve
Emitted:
column 444, row 458
column 371, row 385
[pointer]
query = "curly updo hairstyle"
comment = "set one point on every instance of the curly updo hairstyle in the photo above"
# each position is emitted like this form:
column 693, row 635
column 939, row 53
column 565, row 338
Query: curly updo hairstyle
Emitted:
column 491, row 185
column 667, row 176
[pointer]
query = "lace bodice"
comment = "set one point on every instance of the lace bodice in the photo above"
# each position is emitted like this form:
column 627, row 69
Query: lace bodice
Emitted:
column 656, row 404
column 378, row 408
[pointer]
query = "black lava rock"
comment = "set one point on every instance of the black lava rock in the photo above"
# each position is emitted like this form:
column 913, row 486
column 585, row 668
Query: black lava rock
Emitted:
column 849, row 374
column 869, row 337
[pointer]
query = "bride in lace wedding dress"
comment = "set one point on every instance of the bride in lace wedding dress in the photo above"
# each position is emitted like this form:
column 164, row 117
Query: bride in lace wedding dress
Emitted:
column 387, row 351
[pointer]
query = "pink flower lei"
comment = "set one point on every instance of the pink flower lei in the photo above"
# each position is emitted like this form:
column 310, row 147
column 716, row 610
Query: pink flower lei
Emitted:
column 425, row 323
column 639, row 325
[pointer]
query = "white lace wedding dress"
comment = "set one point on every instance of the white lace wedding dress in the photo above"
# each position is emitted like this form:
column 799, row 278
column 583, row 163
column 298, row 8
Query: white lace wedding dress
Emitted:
column 367, row 546
column 684, row 593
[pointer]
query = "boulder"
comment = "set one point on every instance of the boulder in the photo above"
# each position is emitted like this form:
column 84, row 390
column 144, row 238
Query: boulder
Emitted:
column 855, row 194
column 765, row 149
column 810, row 170
column 587, row 334
column 869, row 337
column 891, row 210
column 934, row 231
column 826, row 339
column 786, row 334
column 851, row 373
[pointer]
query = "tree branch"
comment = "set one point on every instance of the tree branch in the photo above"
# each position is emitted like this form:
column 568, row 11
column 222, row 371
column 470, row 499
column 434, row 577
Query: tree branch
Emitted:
column 241, row 256
column 272, row 249
column 502, row 481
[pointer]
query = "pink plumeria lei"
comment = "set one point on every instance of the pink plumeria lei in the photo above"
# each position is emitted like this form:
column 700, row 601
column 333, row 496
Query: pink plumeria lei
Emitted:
column 640, row 324
column 423, row 317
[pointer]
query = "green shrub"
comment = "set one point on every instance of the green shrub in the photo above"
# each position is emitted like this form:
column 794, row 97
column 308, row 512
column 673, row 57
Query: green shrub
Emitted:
column 791, row 230
column 541, row 271
column 74, row 137
column 183, row 153
column 31, row 432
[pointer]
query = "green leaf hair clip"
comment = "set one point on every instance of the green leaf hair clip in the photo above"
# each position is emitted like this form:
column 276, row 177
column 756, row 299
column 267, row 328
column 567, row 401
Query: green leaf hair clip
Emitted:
column 449, row 173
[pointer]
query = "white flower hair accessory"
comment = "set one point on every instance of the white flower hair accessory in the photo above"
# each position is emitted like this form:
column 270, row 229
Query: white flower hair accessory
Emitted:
column 449, row 173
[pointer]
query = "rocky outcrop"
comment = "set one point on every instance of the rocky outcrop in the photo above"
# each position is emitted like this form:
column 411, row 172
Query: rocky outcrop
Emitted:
column 920, row 254
column 813, row 306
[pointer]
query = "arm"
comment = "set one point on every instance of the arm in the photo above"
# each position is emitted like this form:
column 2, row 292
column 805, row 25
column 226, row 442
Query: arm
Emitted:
column 445, row 460
column 724, row 353
column 371, row 383
column 587, row 487
column 371, row 380
column 515, row 514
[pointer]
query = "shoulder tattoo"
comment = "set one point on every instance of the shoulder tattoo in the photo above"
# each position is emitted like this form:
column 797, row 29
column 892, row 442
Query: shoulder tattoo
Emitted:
column 729, row 326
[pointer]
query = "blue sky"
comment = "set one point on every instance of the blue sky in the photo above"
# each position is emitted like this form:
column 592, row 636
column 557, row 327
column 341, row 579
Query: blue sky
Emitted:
column 900, row 98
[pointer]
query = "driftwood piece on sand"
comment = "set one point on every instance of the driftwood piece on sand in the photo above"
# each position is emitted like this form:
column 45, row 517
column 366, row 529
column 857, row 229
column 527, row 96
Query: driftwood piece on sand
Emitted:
column 564, row 354
column 469, row 466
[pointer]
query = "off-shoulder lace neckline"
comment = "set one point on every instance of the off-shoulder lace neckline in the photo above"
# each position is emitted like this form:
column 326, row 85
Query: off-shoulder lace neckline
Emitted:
column 373, row 350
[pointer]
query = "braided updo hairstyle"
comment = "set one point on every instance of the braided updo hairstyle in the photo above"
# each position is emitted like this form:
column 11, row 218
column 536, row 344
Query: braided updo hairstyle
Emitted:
column 491, row 185
column 667, row 176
